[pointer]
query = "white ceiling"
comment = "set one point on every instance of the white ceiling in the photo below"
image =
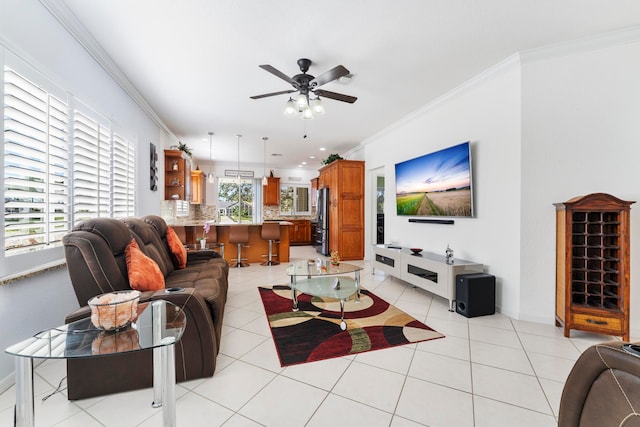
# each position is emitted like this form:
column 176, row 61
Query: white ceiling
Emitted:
column 196, row 61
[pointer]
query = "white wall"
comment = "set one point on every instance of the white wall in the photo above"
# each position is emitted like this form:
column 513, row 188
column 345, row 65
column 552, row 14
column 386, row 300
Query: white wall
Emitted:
column 30, row 305
column 580, row 135
column 562, row 124
column 485, row 111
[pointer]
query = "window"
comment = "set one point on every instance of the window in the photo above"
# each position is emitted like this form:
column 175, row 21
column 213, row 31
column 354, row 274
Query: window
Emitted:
column 36, row 165
column 234, row 209
column 49, row 184
column 294, row 199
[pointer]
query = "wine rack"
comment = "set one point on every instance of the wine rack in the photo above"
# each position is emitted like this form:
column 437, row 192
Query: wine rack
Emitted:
column 592, row 275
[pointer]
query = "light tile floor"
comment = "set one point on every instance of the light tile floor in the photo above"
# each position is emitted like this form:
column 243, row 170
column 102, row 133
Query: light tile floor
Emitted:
column 488, row 371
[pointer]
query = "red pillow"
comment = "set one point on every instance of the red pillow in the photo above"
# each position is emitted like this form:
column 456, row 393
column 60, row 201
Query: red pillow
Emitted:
column 178, row 251
column 144, row 273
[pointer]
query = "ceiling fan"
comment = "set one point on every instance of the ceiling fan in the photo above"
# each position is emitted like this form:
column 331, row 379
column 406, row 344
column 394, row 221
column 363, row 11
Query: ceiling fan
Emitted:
column 306, row 85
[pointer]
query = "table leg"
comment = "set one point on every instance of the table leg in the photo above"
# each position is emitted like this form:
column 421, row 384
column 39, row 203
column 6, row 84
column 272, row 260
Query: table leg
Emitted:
column 293, row 293
column 24, row 416
column 169, row 382
column 156, row 316
column 358, row 286
column 343, row 324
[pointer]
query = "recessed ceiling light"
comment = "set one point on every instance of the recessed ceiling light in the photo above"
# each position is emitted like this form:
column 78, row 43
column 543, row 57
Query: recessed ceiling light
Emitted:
column 322, row 148
column 304, row 163
column 299, row 166
column 276, row 154
column 312, row 157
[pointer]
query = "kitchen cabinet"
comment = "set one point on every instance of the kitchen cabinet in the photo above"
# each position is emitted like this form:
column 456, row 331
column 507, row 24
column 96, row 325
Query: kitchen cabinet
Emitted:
column 314, row 192
column 271, row 192
column 177, row 181
column 198, row 187
column 345, row 180
column 300, row 233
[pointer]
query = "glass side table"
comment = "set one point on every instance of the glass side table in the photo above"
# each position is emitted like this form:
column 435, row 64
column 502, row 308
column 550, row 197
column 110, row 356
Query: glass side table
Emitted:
column 325, row 280
column 160, row 324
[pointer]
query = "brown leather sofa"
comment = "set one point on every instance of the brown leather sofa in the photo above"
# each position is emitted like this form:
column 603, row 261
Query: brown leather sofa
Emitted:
column 603, row 389
column 95, row 255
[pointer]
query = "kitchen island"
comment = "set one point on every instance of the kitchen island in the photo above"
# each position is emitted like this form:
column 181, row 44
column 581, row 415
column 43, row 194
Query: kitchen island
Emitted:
column 255, row 251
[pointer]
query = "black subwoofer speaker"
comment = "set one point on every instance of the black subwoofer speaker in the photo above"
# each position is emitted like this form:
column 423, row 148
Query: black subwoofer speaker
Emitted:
column 475, row 294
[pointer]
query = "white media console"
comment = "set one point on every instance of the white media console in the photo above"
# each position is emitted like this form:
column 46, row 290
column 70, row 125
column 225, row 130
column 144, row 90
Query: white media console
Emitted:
column 427, row 270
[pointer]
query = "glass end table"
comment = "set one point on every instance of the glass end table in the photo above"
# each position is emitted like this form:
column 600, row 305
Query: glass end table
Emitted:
column 160, row 324
column 325, row 280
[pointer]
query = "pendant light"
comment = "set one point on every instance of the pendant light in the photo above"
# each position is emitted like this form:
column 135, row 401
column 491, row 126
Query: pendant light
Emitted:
column 239, row 192
column 264, row 163
column 210, row 177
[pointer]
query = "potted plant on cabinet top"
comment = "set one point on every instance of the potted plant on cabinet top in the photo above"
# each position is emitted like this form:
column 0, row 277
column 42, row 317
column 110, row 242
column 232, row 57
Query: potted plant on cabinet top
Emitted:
column 331, row 158
column 185, row 149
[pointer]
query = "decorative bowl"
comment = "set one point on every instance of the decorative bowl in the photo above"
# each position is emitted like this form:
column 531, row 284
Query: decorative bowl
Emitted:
column 115, row 310
column 416, row 251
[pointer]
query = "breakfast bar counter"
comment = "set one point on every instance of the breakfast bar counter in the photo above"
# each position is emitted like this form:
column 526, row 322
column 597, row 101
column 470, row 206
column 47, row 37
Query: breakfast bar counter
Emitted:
column 255, row 251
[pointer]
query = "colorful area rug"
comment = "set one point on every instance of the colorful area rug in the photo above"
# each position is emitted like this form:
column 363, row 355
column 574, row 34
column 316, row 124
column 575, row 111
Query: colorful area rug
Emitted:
column 313, row 333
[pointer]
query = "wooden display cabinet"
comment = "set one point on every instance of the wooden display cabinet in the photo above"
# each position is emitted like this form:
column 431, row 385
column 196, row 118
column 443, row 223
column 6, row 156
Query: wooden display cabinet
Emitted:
column 177, row 181
column 592, row 265
column 345, row 180
column 271, row 192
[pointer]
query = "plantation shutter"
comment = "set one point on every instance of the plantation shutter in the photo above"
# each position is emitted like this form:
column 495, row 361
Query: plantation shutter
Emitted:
column 36, row 166
column 91, row 164
column 123, row 177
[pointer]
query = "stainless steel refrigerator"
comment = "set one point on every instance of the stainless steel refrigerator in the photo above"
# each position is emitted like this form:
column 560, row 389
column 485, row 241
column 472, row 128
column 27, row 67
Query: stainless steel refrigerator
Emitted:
column 322, row 218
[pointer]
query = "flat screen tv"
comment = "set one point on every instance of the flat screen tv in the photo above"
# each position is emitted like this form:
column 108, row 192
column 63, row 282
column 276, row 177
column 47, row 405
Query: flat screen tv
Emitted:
column 436, row 184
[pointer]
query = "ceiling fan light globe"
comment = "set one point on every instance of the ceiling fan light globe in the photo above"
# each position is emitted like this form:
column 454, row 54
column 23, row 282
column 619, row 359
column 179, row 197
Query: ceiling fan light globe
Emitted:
column 307, row 114
column 316, row 106
column 290, row 109
column 302, row 101
column 211, row 178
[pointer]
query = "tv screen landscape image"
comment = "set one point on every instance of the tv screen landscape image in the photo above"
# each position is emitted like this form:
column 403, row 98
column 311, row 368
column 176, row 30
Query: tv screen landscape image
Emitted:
column 436, row 184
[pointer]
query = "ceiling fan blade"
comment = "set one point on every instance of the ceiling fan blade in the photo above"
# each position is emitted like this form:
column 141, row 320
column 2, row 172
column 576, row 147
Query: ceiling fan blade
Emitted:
column 278, row 73
column 282, row 92
column 336, row 96
column 332, row 74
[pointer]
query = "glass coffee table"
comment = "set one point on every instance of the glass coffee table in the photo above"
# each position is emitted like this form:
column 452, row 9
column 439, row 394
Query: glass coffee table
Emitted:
column 326, row 281
column 159, row 326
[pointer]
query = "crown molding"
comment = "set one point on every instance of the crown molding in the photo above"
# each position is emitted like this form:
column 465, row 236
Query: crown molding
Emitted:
column 594, row 42
column 61, row 12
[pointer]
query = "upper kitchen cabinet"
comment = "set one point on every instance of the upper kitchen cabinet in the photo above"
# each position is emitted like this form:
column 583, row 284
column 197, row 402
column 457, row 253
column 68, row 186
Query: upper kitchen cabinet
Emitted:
column 314, row 192
column 271, row 192
column 177, row 177
column 198, row 187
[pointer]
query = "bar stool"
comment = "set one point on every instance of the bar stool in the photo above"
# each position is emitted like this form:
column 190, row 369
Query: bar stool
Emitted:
column 239, row 235
column 271, row 232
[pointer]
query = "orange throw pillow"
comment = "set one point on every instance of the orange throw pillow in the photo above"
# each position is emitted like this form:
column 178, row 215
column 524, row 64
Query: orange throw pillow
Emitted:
column 178, row 251
column 144, row 273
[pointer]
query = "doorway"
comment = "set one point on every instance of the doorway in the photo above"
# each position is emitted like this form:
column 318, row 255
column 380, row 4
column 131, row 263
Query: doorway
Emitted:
column 378, row 205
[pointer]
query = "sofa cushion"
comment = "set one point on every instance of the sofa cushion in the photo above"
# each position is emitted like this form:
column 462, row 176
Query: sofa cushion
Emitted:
column 149, row 241
column 178, row 251
column 144, row 273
